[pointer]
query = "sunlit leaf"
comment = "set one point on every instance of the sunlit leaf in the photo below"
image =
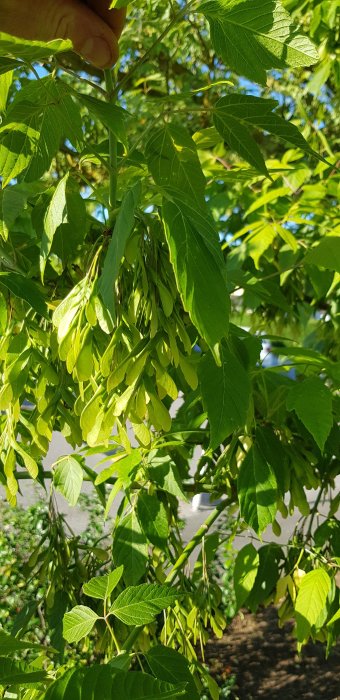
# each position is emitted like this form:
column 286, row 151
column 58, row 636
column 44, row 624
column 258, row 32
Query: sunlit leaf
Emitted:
column 68, row 478
column 139, row 605
column 78, row 623
column 253, row 36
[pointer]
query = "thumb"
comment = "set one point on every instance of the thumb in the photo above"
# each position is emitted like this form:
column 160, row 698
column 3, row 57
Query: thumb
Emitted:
column 91, row 36
column 62, row 19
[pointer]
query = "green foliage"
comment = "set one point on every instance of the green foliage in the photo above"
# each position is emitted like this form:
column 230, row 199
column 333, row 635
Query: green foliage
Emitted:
column 110, row 683
column 310, row 601
column 257, row 490
column 138, row 605
column 252, row 37
column 68, row 478
column 102, row 587
column 156, row 225
column 225, row 395
column 234, row 114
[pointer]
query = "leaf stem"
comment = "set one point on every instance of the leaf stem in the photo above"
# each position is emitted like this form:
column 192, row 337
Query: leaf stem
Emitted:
column 115, row 640
column 183, row 558
column 111, row 98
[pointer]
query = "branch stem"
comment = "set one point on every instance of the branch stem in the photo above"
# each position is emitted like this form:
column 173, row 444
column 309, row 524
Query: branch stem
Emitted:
column 183, row 558
column 111, row 98
column 191, row 488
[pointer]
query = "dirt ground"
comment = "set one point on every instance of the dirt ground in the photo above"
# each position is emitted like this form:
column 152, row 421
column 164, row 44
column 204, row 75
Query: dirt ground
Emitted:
column 263, row 658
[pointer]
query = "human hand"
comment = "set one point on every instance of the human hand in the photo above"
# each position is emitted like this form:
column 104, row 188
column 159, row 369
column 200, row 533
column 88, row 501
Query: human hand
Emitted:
column 93, row 29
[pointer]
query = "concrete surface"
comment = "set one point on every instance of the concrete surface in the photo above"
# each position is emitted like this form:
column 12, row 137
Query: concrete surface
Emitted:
column 194, row 514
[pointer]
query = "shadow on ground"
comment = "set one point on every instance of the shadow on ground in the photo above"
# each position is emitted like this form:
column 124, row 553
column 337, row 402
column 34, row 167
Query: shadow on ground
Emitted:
column 264, row 661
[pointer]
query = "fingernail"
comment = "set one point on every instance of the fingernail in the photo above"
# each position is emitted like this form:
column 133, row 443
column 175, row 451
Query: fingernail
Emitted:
column 96, row 50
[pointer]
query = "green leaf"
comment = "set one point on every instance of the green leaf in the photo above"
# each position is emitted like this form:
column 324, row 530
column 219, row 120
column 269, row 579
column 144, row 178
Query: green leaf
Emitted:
column 10, row 645
column 192, row 239
column 153, row 519
column 28, row 460
column 39, row 116
column 8, row 64
column 310, row 601
column 119, row 3
column 19, row 673
column 206, row 138
column 168, row 665
column 334, row 618
column 267, row 575
column 25, row 289
column 106, row 683
column 31, row 50
column 199, row 269
column 236, row 115
column 129, row 548
column 253, row 36
column 258, row 243
column 312, row 402
column 13, row 201
column 69, row 307
column 78, row 623
column 68, row 478
column 245, row 571
column 164, row 473
column 102, row 586
column 125, row 468
column 109, row 115
column 70, row 684
column 56, row 215
column 123, row 228
column 140, row 686
column 5, row 84
column 139, row 605
column 3, row 314
column 173, row 161
column 273, row 451
column 325, row 254
column 257, row 490
column 225, row 394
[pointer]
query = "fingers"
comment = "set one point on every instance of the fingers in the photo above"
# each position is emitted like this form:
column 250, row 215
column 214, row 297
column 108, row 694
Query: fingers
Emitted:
column 92, row 33
column 114, row 18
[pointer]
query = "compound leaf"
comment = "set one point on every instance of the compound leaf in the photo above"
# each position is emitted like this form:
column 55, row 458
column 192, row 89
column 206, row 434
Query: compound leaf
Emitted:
column 253, row 36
